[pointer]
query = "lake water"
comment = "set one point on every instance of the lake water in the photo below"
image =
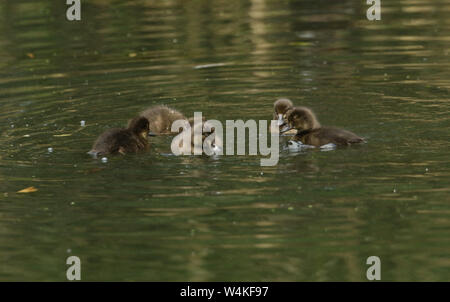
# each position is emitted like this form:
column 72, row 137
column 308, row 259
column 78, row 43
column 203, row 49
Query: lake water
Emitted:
column 315, row 216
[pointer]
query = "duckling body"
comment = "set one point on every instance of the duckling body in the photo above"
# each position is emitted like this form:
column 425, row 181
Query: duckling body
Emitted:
column 280, row 108
column 161, row 118
column 120, row 140
column 310, row 132
column 215, row 141
column 326, row 135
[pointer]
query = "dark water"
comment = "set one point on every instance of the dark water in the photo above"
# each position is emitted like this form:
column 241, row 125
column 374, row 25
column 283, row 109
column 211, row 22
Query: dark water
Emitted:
column 316, row 216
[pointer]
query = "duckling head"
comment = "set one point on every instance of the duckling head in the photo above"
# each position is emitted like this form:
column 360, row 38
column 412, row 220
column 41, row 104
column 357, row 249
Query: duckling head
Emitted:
column 280, row 107
column 140, row 126
column 301, row 118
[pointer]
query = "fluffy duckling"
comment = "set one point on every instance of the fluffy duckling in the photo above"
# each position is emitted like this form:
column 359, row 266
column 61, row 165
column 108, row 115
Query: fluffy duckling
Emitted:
column 121, row 140
column 161, row 118
column 280, row 108
column 310, row 132
column 216, row 143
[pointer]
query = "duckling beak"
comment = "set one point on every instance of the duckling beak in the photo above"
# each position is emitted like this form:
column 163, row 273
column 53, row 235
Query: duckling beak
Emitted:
column 286, row 128
column 281, row 121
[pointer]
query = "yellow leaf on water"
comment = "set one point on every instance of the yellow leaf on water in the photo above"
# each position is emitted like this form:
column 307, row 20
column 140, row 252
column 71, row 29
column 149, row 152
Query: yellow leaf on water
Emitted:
column 132, row 54
column 30, row 55
column 28, row 190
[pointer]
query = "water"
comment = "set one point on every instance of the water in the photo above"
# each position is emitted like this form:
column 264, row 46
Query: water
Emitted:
column 316, row 216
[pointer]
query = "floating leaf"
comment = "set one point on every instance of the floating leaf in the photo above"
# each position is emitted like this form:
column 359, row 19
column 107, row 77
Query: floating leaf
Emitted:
column 30, row 55
column 28, row 190
column 132, row 54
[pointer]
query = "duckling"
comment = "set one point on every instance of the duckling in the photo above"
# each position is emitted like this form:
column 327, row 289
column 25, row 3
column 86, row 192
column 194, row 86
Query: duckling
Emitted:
column 120, row 140
column 310, row 132
column 280, row 107
column 216, row 144
column 161, row 118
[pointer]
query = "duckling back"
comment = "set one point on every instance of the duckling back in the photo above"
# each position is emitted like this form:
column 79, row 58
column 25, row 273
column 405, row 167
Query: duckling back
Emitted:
column 120, row 140
column 326, row 135
column 161, row 118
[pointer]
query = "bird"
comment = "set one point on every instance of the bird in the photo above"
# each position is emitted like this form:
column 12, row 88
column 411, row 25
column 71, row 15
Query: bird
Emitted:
column 280, row 107
column 161, row 118
column 310, row 131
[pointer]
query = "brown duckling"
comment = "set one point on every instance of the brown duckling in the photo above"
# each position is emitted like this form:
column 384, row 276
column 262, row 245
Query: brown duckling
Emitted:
column 161, row 118
column 121, row 140
column 280, row 108
column 310, row 132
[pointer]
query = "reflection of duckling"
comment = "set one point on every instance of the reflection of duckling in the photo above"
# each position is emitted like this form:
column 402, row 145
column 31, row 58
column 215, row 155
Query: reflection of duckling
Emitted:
column 310, row 132
column 120, row 140
column 161, row 118
column 280, row 107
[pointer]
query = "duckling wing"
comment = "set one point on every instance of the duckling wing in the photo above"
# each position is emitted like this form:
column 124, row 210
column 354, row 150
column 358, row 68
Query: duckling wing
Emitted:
column 339, row 136
column 110, row 141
